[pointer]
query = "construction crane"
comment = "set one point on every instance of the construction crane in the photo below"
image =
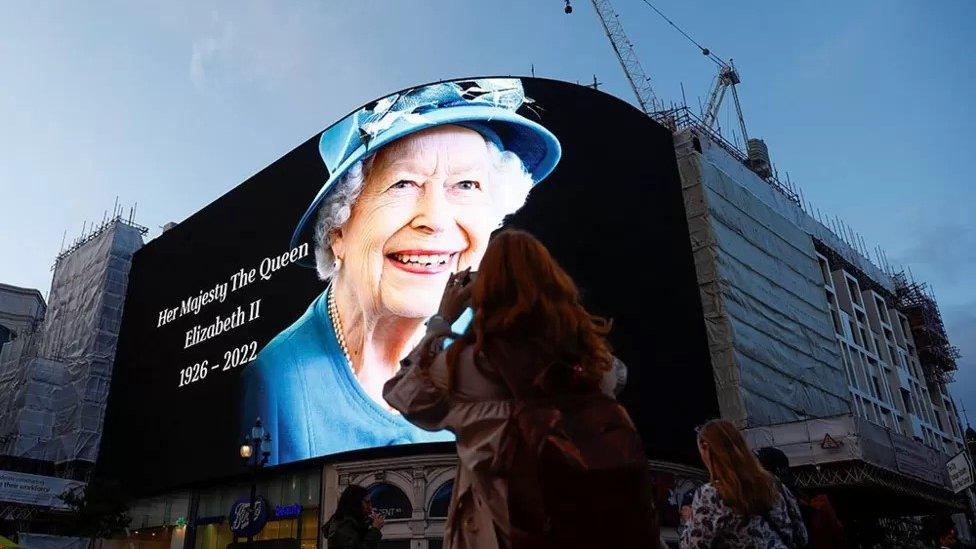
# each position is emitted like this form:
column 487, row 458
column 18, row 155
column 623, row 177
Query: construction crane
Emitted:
column 727, row 78
column 640, row 82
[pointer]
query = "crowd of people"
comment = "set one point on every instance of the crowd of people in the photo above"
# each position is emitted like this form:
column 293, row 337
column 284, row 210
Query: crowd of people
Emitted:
column 547, row 458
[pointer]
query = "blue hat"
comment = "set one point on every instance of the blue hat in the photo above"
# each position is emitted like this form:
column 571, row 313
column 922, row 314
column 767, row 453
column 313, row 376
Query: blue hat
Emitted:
column 487, row 106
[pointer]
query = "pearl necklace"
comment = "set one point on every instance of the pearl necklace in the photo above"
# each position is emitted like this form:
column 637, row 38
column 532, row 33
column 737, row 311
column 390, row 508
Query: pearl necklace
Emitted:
column 337, row 326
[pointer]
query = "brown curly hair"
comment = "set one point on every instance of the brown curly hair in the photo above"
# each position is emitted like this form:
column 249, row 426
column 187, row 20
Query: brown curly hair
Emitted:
column 522, row 297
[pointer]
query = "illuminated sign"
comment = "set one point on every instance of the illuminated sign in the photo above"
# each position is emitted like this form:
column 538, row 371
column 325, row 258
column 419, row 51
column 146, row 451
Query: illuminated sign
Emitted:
column 287, row 511
column 236, row 313
column 246, row 524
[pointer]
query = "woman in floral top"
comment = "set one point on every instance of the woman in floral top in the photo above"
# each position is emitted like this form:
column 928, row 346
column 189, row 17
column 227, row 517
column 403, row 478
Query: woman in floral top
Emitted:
column 742, row 506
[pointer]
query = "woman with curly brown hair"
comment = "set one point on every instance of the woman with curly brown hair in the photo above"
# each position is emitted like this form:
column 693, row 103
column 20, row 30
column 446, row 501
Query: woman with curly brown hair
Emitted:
column 531, row 342
column 742, row 506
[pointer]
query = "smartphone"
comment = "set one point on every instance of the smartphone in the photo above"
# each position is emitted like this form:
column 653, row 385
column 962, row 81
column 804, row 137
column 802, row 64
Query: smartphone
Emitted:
column 460, row 326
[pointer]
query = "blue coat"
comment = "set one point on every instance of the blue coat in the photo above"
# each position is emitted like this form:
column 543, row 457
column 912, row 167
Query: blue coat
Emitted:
column 305, row 393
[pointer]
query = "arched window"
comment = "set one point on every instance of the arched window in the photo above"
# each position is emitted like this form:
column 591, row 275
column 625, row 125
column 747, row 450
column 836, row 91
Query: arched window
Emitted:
column 390, row 501
column 441, row 500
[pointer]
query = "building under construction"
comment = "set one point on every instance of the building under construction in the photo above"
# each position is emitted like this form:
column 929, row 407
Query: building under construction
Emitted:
column 836, row 359
column 816, row 350
column 54, row 387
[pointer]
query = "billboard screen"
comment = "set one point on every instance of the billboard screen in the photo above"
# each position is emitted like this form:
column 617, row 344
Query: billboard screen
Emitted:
column 293, row 297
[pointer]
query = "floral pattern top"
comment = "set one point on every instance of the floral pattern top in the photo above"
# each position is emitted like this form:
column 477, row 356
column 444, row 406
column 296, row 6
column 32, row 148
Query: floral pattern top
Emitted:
column 715, row 524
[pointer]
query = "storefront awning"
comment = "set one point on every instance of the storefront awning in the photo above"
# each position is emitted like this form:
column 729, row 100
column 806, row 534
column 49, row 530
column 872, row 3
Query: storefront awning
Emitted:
column 866, row 489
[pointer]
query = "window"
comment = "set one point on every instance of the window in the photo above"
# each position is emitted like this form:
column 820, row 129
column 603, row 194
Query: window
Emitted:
column 441, row 500
column 824, row 270
column 390, row 501
column 853, row 332
column 882, row 310
column 906, row 397
column 851, row 378
column 855, row 293
column 833, row 312
column 309, row 528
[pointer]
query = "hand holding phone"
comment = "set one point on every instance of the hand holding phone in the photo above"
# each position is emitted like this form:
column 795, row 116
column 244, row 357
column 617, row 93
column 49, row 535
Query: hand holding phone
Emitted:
column 377, row 520
column 457, row 295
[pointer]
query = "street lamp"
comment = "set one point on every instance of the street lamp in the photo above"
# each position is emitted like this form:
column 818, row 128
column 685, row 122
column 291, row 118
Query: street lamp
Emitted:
column 255, row 451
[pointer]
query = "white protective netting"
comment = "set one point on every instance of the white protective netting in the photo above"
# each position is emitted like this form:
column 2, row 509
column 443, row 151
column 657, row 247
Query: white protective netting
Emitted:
column 774, row 355
column 57, row 400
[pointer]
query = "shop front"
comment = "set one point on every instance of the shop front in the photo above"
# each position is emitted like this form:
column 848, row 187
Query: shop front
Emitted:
column 291, row 518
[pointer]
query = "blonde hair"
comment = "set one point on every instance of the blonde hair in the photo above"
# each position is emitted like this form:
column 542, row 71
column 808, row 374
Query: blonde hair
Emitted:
column 735, row 471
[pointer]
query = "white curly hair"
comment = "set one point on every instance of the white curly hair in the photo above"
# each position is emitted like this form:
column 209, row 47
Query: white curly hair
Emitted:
column 509, row 189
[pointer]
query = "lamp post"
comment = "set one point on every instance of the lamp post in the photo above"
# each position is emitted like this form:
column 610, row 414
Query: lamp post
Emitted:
column 255, row 451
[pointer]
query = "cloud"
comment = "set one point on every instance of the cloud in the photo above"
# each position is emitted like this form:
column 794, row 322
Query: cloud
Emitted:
column 208, row 51
column 259, row 44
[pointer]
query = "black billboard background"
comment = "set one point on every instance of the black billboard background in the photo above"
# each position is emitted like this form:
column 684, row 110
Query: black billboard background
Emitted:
column 612, row 213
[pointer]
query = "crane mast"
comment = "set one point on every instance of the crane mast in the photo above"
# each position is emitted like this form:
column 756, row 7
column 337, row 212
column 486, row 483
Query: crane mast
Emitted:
column 622, row 46
column 756, row 154
column 728, row 77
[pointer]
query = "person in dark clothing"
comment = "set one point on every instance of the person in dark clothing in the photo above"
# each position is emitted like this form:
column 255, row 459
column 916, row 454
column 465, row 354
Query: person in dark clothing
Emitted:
column 546, row 456
column 948, row 537
column 823, row 527
column 354, row 525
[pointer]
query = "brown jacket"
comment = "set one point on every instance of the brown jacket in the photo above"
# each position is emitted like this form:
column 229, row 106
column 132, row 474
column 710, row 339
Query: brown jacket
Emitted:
column 477, row 411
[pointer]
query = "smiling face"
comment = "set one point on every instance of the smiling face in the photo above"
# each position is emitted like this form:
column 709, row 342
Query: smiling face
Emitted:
column 425, row 211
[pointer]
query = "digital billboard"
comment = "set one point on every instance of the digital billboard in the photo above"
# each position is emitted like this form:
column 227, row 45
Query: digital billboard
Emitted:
column 294, row 296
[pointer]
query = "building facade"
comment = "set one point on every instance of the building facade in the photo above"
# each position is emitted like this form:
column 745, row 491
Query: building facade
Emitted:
column 54, row 389
column 816, row 350
column 21, row 314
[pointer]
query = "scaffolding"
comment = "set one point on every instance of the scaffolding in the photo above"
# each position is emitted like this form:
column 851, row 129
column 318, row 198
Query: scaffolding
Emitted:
column 680, row 117
column 867, row 475
column 55, row 398
column 936, row 355
column 89, row 233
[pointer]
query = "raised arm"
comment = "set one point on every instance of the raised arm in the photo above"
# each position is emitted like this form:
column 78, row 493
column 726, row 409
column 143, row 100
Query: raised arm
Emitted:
column 419, row 389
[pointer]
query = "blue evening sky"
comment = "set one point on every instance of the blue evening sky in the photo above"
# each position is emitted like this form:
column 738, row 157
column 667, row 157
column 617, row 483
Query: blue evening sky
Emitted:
column 868, row 105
